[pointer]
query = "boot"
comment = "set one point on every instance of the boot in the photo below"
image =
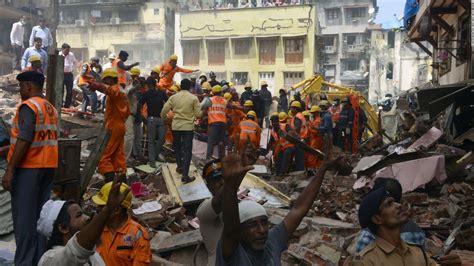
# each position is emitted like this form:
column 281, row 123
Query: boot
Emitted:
column 187, row 179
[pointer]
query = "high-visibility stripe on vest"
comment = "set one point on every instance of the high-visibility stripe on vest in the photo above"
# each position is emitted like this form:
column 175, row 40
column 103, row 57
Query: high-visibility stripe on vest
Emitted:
column 217, row 111
column 304, row 129
column 83, row 80
column 43, row 151
column 122, row 78
column 248, row 129
column 282, row 142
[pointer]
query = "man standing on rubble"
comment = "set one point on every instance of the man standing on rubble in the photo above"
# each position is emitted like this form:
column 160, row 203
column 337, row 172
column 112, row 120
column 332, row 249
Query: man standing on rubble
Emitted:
column 217, row 122
column 32, row 159
column 134, row 132
column 383, row 215
column 119, row 66
column 186, row 109
column 86, row 76
column 325, row 128
column 35, row 50
column 247, row 94
column 16, row 40
column 246, row 238
column 43, row 32
column 168, row 70
column 345, row 125
column 156, row 127
column 267, row 101
column 69, row 66
column 116, row 113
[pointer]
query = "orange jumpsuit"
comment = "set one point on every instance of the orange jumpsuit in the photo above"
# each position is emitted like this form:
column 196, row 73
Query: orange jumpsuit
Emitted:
column 116, row 113
column 167, row 74
column 236, row 116
column 316, row 141
column 130, row 245
column 249, row 129
column 169, row 133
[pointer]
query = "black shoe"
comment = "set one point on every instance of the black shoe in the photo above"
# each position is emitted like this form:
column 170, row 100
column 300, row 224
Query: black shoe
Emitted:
column 187, row 179
column 179, row 170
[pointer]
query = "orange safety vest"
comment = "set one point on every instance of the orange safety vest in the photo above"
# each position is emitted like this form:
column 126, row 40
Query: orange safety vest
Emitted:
column 85, row 79
column 43, row 152
column 335, row 113
column 217, row 111
column 282, row 142
column 250, row 129
column 122, row 78
column 304, row 128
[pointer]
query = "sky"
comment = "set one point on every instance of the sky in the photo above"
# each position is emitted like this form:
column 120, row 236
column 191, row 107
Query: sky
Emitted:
column 389, row 7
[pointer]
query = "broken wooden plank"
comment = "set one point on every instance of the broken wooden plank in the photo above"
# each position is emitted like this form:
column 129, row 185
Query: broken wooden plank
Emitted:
column 55, row 84
column 94, row 158
column 176, row 241
column 252, row 181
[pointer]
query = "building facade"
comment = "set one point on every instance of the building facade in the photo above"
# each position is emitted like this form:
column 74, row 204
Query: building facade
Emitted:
column 446, row 26
column 272, row 44
column 145, row 29
column 396, row 65
column 343, row 40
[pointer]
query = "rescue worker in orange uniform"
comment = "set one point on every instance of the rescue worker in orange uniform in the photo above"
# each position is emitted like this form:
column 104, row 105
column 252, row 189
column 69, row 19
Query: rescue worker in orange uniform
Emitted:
column 274, row 138
column 298, row 121
column 168, row 70
column 235, row 116
column 287, row 151
column 32, row 159
column 35, row 64
column 217, row 122
column 311, row 161
column 123, row 241
column 89, row 97
column 116, row 113
column 119, row 66
column 249, row 129
column 248, row 106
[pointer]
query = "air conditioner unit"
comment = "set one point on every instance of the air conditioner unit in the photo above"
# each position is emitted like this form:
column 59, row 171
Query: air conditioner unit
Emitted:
column 115, row 21
column 80, row 23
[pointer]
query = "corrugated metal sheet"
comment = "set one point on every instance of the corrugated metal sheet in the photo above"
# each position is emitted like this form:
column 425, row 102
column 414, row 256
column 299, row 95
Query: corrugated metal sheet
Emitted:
column 6, row 222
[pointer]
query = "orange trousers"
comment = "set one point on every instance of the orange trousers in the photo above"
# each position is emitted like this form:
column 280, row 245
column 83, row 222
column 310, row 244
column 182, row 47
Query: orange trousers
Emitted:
column 311, row 161
column 113, row 158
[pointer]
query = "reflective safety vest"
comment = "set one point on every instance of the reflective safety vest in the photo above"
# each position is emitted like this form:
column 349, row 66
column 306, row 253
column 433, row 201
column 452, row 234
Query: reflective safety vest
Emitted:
column 122, row 78
column 84, row 79
column 335, row 113
column 43, row 151
column 217, row 111
column 249, row 129
column 282, row 142
column 304, row 128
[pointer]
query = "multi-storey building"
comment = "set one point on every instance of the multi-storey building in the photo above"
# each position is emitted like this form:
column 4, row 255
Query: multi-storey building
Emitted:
column 344, row 41
column 273, row 44
column 446, row 25
column 145, row 29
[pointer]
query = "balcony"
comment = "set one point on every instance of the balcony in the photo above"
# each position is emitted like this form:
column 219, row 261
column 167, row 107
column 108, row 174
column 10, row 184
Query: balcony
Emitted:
column 354, row 48
column 330, row 49
column 99, row 2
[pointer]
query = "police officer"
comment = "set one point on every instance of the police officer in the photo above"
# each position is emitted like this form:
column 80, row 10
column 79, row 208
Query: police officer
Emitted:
column 32, row 158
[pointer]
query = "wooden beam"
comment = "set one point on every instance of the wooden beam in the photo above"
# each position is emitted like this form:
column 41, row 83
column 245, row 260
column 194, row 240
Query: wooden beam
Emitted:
column 465, row 4
column 55, row 84
column 448, row 28
column 444, row 10
column 432, row 42
column 424, row 48
column 94, row 158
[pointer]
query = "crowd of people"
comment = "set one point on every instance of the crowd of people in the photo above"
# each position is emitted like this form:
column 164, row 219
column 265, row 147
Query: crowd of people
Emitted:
column 56, row 232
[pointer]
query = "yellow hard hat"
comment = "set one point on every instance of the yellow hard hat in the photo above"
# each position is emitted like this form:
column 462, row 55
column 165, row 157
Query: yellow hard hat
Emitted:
column 206, row 86
column 248, row 103
column 274, row 114
column 296, row 104
column 315, row 109
column 34, row 58
column 173, row 57
column 110, row 72
column 231, row 84
column 216, row 89
column 174, row 88
column 306, row 113
column 324, row 103
column 282, row 116
column 227, row 96
column 156, row 69
column 103, row 195
column 252, row 114
column 135, row 71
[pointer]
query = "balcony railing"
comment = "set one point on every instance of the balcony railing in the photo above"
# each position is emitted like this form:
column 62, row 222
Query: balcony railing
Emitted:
column 100, row 2
column 330, row 49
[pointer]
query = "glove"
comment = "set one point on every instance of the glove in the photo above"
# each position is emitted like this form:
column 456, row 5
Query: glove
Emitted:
column 348, row 131
column 94, row 86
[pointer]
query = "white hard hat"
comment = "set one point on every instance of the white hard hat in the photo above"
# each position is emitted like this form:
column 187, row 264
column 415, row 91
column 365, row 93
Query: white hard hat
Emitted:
column 112, row 56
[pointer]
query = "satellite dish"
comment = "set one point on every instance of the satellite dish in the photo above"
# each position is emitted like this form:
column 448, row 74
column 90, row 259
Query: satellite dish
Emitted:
column 371, row 10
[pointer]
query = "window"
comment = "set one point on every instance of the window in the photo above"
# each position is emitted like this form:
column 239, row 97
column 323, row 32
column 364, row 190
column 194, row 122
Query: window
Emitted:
column 239, row 78
column 294, row 51
column 104, row 16
column 268, row 77
column 463, row 48
column 350, row 65
column 391, row 39
column 69, row 16
column 191, row 53
column 351, row 39
column 241, row 46
column 128, row 15
column 267, row 51
column 328, row 40
column 219, row 75
column 101, row 54
column 389, row 73
column 216, row 52
column 332, row 13
column 156, row 11
column 358, row 12
column 291, row 78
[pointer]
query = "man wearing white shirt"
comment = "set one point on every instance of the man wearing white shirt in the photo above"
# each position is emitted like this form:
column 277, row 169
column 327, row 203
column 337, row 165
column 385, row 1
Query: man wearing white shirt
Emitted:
column 44, row 33
column 16, row 39
column 69, row 65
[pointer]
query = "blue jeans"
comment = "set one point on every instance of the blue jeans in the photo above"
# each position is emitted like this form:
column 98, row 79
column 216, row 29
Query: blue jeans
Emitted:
column 156, row 137
column 31, row 188
column 89, row 98
column 284, row 157
column 215, row 134
column 183, row 149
